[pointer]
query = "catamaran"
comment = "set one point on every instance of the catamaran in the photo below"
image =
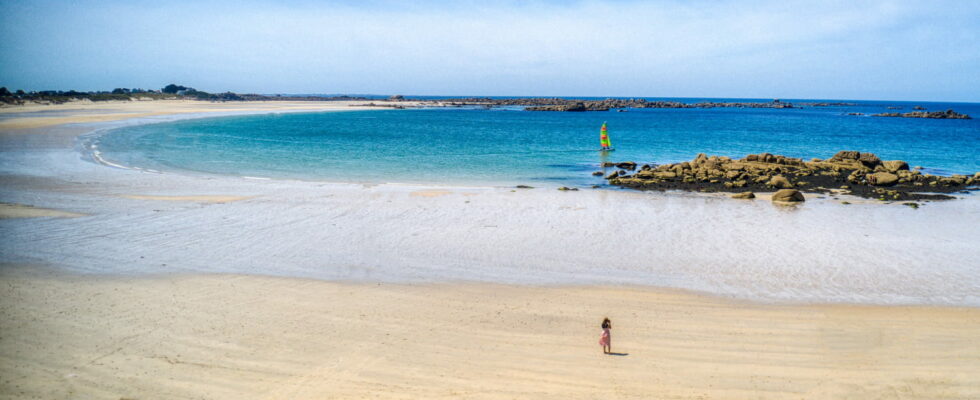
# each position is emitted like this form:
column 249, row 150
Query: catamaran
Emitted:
column 604, row 139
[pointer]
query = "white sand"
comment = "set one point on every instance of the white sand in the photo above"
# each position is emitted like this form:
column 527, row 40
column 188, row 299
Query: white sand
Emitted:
column 241, row 337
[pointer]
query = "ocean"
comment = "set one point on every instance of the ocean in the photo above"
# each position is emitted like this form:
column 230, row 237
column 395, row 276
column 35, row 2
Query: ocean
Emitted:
column 511, row 146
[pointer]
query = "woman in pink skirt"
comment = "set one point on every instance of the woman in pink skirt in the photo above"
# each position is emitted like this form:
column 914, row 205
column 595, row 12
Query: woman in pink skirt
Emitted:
column 606, row 339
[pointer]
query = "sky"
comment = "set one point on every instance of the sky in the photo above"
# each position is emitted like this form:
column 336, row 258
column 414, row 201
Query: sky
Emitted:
column 875, row 49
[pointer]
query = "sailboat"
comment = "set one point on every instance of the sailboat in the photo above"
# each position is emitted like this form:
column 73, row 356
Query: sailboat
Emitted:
column 604, row 139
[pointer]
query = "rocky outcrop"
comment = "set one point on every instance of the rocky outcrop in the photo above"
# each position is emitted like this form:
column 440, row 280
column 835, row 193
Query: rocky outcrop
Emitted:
column 851, row 172
column 948, row 114
column 788, row 195
column 559, row 104
column 573, row 106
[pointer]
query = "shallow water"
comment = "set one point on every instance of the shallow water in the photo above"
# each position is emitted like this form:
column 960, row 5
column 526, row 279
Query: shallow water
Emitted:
column 514, row 146
column 819, row 251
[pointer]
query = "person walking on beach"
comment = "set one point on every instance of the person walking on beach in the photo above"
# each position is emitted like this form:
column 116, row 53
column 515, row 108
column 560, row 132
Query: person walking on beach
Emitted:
column 606, row 339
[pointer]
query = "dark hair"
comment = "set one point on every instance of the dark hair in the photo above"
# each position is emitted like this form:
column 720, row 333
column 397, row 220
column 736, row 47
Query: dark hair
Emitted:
column 606, row 323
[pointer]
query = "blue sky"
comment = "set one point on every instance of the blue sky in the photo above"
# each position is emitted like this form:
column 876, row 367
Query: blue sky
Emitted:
column 898, row 50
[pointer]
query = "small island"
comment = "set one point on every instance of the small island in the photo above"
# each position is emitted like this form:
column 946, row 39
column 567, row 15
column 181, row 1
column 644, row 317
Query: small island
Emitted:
column 948, row 114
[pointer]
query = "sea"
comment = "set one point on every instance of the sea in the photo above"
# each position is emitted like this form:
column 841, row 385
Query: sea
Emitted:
column 509, row 145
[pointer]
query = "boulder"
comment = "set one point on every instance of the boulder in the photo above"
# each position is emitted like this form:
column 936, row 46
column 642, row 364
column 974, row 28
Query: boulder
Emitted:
column 597, row 173
column 869, row 160
column 627, row 165
column 781, row 182
column 895, row 166
column 846, row 155
column 744, row 195
column 788, row 195
column 566, row 188
column 612, row 175
column 882, row 179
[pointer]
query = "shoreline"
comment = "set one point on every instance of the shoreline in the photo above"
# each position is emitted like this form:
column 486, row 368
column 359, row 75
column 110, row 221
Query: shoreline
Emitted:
column 111, row 194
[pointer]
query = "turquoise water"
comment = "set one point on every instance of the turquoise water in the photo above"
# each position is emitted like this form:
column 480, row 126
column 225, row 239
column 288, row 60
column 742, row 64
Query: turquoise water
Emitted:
column 513, row 146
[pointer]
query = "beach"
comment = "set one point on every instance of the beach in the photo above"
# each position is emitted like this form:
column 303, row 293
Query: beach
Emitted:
column 245, row 337
column 128, row 283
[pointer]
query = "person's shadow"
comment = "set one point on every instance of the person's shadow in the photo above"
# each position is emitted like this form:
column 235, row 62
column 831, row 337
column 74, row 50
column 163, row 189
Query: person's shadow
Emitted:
column 618, row 354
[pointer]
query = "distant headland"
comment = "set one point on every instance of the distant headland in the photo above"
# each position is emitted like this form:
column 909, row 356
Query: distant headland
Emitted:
column 560, row 104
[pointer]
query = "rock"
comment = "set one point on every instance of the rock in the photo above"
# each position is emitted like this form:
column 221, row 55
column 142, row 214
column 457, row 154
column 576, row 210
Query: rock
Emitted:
column 565, row 188
column 882, row 179
column 597, row 173
column 895, row 166
column 627, row 165
column 788, row 195
column 948, row 114
column 845, row 155
column 744, row 195
column 869, row 160
column 524, row 187
column 612, row 175
column 781, row 182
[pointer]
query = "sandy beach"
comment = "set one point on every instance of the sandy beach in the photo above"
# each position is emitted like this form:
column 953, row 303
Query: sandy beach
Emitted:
column 246, row 337
column 121, row 283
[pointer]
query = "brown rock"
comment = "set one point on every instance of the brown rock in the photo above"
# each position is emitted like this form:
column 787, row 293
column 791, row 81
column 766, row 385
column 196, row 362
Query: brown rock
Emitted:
column 845, row 155
column 788, row 195
column 627, row 165
column 781, row 182
column 882, row 179
column 869, row 159
column 895, row 166
column 744, row 195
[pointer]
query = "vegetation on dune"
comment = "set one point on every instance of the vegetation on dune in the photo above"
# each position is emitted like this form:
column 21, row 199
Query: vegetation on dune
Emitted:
column 169, row 92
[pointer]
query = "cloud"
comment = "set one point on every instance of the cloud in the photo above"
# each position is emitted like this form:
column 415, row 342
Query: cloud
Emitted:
column 885, row 49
